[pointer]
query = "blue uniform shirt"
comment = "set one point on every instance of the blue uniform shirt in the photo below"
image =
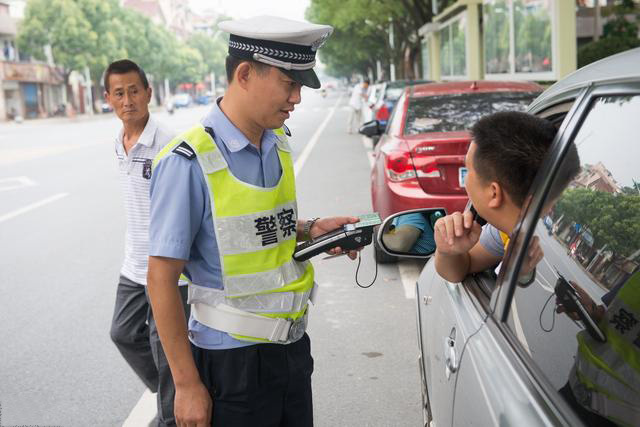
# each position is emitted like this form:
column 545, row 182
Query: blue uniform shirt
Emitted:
column 181, row 226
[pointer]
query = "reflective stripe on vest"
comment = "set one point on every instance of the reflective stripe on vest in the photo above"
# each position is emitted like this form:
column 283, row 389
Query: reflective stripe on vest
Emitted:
column 255, row 229
column 606, row 376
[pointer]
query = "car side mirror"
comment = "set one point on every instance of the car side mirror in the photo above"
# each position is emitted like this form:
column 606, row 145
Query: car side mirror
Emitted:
column 372, row 128
column 409, row 233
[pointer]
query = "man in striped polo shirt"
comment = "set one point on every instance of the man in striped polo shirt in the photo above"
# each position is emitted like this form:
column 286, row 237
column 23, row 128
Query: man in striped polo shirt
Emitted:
column 133, row 328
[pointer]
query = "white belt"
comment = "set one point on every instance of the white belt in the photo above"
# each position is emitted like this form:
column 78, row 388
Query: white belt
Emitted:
column 239, row 322
column 233, row 321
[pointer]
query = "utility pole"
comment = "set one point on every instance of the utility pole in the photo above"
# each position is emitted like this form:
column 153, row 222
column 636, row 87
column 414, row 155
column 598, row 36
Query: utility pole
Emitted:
column 392, row 65
column 89, row 94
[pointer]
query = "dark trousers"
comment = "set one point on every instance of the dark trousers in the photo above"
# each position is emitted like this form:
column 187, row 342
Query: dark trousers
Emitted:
column 266, row 385
column 133, row 330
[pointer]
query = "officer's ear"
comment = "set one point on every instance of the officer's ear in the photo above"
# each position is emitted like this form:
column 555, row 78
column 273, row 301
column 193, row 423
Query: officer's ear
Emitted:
column 243, row 74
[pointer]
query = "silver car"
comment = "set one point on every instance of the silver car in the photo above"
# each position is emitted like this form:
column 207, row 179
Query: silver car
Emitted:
column 492, row 352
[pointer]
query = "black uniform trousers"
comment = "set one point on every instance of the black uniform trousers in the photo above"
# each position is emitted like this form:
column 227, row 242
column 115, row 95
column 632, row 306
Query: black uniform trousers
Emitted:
column 265, row 385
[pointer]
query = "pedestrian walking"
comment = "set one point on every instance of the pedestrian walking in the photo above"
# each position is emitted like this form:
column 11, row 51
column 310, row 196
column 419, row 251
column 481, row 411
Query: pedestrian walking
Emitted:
column 133, row 329
column 356, row 103
column 224, row 212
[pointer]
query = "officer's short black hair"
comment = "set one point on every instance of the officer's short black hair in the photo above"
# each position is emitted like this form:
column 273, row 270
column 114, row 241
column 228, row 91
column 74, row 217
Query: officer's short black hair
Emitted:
column 510, row 148
column 367, row 81
column 232, row 62
column 124, row 66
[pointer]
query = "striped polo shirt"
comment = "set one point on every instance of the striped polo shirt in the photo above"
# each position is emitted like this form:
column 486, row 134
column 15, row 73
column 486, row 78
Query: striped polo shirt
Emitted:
column 135, row 179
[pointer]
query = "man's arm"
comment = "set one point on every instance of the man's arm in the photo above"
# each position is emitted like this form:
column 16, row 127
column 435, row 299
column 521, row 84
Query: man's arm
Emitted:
column 192, row 403
column 402, row 238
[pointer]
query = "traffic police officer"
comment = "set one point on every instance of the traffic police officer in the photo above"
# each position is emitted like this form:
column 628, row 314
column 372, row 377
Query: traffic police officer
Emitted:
column 223, row 211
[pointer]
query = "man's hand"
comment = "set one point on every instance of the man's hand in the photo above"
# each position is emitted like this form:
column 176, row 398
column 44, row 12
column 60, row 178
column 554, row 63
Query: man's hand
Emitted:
column 325, row 225
column 457, row 233
column 192, row 406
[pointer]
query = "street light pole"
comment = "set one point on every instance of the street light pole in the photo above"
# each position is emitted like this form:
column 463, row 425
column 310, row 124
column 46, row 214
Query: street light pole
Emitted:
column 392, row 65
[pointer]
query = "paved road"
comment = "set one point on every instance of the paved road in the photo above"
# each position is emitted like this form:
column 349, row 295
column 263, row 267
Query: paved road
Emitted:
column 61, row 242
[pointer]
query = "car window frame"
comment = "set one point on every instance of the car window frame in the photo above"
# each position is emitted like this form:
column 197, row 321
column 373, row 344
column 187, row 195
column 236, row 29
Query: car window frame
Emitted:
column 506, row 284
column 399, row 108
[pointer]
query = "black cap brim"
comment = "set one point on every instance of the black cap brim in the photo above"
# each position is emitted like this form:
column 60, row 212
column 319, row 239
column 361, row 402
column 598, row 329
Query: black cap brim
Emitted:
column 304, row 77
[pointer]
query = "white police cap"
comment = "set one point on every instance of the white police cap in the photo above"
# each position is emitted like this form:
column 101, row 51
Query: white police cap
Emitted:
column 280, row 42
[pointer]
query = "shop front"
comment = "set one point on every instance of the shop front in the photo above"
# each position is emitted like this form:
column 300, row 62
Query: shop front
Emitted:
column 501, row 40
column 30, row 90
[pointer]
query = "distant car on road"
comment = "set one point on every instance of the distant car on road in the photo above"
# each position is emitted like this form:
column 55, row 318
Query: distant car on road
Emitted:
column 419, row 161
column 106, row 108
column 387, row 94
column 204, row 99
column 181, row 100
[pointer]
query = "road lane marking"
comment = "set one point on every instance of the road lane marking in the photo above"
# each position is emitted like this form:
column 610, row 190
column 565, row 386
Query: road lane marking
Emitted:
column 143, row 412
column 409, row 273
column 10, row 156
column 368, row 146
column 16, row 182
column 32, row 206
column 300, row 161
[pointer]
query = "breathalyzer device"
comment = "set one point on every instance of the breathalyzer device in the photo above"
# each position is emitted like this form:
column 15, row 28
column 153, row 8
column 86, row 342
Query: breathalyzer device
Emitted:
column 347, row 237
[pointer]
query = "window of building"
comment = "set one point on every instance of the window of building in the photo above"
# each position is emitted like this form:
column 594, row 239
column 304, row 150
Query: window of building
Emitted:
column 453, row 52
column 590, row 237
column 517, row 37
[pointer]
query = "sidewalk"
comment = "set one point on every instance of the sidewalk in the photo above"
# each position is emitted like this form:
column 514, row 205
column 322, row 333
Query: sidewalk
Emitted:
column 7, row 125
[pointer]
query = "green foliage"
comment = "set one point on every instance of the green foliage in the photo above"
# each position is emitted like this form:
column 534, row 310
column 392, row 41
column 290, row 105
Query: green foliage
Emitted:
column 612, row 219
column 213, row 51
column 619, row 35
column 94, row 33
column 607, row 46
column 62, row 25
column 361, row 32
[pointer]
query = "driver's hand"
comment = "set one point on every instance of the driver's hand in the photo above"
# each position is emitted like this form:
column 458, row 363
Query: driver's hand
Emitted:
column 457, row 233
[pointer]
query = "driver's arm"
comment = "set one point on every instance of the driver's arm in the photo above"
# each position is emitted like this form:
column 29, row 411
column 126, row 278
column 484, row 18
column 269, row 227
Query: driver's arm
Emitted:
column 402, row 238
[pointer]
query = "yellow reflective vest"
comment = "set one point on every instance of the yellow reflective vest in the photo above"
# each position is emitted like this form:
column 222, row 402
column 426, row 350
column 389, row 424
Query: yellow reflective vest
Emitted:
column 606, row 376
column 255, row 230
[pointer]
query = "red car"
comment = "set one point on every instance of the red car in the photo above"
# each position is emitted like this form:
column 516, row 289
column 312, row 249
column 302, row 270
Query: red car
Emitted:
column 419, row 161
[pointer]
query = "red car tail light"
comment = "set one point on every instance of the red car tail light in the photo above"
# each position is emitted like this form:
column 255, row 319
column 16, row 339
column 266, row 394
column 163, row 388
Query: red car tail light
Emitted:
column 399, row 166
column 382, row 113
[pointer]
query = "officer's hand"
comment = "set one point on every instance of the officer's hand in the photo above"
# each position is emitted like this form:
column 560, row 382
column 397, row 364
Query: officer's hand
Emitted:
column 457, row 233
column 595, row 311
column 193, row 406
column 325, row 225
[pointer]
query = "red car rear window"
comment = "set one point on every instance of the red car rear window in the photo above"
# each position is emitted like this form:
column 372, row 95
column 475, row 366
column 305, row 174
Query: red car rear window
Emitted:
column 458, row 112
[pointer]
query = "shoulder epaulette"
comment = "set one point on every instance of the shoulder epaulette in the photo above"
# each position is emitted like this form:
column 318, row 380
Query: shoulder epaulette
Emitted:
column 184, row 150
column 210, row 131
column 286, row 129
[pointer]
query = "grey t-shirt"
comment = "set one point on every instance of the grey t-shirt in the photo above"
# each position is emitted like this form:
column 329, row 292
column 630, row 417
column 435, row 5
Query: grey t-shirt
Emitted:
column 491, row 240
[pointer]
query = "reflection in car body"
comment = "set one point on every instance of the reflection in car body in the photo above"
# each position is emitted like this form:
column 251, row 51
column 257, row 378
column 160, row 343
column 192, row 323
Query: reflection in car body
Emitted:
column 495, row 353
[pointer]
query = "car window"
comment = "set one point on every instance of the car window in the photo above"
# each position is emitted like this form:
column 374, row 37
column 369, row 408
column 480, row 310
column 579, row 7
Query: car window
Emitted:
column 458, row 112
column 590, row 236
column 395, row 121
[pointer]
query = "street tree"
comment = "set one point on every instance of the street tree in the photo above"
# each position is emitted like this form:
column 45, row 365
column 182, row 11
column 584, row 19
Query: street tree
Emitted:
column 213, row 51
column 612, row 219
column 62, row 26
column 362, row 33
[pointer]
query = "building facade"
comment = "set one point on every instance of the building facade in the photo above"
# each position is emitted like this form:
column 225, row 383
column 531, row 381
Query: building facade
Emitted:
column 501, row 39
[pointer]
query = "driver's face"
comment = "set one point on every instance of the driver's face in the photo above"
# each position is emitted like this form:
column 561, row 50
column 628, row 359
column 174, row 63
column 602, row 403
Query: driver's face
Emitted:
column 475, row 184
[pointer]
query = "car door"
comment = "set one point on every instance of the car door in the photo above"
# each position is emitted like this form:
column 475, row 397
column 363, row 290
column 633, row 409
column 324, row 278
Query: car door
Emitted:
column 517, row 368
column 448, row 314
